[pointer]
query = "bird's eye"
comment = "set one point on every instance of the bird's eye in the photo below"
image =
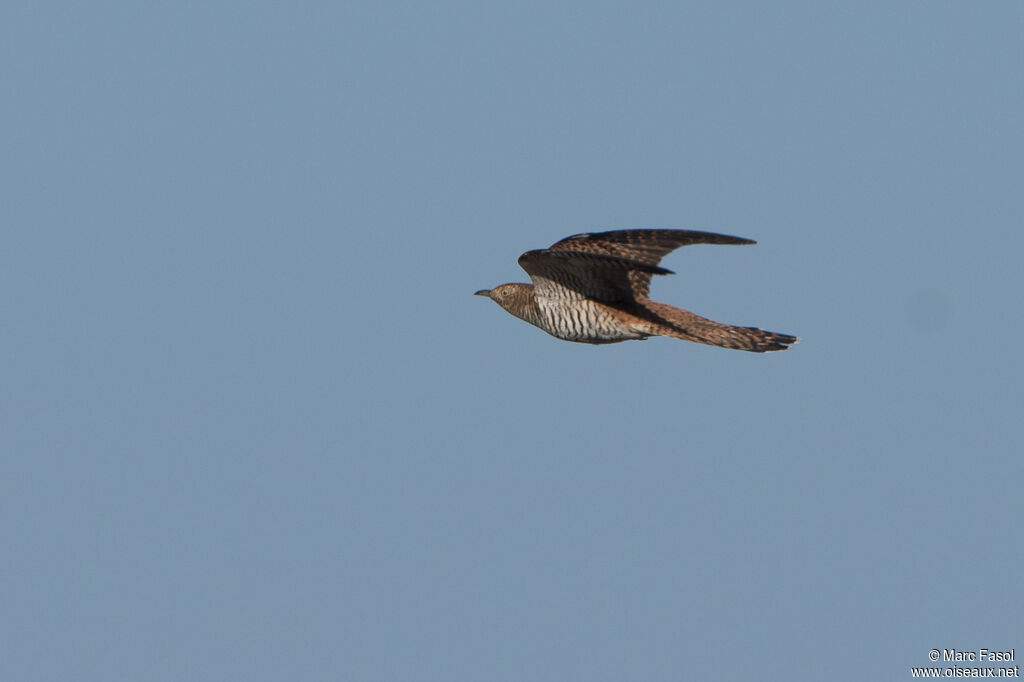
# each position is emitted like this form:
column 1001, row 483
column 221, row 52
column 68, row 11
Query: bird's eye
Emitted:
column 504, row 292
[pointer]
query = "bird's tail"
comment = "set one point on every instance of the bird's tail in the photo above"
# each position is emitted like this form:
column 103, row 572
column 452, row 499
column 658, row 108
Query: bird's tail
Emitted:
column 682, row 324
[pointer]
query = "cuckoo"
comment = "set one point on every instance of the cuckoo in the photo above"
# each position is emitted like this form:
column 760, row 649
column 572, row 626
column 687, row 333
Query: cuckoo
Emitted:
column 593, row 288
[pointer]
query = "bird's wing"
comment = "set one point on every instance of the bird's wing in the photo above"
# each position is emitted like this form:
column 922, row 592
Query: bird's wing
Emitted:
column 642, row 246
column 639, row 248
column 567, row 275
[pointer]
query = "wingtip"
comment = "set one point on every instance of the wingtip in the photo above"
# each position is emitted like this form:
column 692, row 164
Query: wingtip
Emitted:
column 786, row 345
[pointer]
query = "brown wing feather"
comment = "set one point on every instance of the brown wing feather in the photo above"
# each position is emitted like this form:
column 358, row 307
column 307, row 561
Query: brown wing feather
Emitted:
column 557, row 274
column 645, row 247
column 642, row 246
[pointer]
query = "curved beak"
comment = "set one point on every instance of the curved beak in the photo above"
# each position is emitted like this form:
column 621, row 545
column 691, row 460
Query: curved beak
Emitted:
column 483, row 292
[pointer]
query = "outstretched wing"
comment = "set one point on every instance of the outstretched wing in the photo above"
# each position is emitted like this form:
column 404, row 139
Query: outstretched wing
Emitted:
column 564, row 276
column 628, row 257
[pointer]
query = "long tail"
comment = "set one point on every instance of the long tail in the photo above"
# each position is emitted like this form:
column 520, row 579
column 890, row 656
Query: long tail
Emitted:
column 677, row 323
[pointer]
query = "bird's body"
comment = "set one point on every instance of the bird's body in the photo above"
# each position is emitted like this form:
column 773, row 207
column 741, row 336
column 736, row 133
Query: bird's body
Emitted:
column 593, row 288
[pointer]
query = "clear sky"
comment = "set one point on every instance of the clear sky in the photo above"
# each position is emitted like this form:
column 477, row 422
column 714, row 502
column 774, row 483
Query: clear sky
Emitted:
column 255, row 426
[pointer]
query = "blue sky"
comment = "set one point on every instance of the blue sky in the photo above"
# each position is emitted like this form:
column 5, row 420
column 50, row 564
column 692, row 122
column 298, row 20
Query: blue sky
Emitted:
column 255, row 425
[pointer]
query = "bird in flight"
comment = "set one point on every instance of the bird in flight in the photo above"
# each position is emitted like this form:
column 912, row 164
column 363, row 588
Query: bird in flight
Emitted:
column 593, row 288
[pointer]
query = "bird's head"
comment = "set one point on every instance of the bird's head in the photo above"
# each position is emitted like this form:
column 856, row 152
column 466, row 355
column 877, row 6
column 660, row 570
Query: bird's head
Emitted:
column 515, row 298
